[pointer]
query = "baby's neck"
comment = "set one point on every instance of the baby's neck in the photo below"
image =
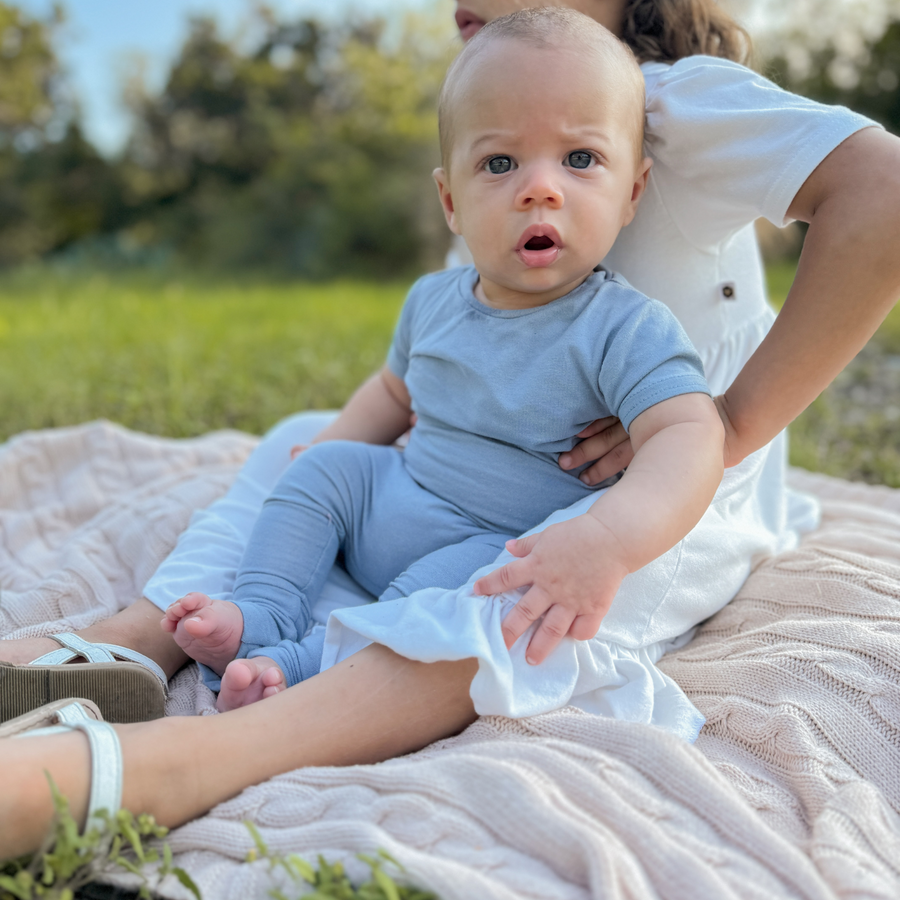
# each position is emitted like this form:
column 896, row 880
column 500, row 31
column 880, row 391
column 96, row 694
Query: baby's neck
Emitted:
column 499, row 296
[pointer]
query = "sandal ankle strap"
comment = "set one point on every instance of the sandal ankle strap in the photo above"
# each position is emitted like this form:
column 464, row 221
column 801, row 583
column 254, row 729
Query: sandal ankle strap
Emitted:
column 74, row 646
column 106, row 759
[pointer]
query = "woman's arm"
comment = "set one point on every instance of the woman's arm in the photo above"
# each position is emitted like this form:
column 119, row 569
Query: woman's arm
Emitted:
column 847, row 281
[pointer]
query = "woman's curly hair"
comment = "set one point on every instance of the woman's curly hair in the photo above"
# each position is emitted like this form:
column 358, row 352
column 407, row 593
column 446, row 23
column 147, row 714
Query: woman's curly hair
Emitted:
column 669, row 30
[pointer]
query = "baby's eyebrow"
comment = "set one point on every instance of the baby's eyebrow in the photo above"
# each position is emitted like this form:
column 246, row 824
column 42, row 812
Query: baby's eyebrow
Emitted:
column 580, row 134
column 490, row 137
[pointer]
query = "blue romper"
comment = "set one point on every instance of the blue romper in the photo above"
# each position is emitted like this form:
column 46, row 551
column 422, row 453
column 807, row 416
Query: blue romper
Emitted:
column 499, row 394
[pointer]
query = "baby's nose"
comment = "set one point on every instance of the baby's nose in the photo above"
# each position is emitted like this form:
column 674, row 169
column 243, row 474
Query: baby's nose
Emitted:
column 540, row 189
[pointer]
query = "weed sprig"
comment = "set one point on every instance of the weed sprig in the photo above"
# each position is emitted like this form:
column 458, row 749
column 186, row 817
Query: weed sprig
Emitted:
column 69, row 860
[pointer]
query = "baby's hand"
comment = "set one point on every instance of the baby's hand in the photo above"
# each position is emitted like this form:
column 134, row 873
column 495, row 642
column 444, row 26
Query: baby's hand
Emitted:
column 297, row 449
column 574, row 569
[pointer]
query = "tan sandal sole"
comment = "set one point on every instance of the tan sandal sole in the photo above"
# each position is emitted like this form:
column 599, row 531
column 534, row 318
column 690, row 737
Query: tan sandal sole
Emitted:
column 123, row 691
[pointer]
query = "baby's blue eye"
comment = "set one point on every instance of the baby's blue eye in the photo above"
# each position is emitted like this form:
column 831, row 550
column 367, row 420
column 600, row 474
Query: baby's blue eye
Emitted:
column 579, row 159
column 499, row 165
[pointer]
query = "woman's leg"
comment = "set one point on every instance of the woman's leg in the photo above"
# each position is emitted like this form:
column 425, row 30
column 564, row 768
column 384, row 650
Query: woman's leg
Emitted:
column 371, row 707
column 204, row 559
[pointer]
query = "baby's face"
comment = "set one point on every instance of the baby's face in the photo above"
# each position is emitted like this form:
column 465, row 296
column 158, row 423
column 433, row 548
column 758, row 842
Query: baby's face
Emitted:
column 543, row 171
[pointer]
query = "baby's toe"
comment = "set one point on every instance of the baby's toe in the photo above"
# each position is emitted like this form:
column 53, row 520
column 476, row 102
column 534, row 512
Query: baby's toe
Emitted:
column 273, row 678
column 272, row 691
column 238, row 676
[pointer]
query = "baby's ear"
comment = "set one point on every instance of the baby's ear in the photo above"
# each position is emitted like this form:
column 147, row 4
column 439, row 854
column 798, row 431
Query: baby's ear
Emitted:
column 443, row 186
column 637, row 190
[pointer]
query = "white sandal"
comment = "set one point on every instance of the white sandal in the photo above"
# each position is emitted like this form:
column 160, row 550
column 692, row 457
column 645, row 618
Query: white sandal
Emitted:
column 106, row 751
column 126, row 685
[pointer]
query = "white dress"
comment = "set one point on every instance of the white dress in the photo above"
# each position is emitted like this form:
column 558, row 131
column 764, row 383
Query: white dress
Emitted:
column 728, row 147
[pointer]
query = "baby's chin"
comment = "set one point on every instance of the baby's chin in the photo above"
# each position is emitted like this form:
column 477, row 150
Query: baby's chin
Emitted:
column 530, row 287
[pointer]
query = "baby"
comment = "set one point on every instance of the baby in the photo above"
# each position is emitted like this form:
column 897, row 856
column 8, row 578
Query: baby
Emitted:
column 541, row 126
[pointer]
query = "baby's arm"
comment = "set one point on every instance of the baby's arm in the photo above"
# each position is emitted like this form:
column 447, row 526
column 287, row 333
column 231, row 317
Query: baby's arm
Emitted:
column 377, row 413
column 575, row 568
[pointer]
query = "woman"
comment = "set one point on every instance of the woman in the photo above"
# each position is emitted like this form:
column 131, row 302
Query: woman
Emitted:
column 728, row 148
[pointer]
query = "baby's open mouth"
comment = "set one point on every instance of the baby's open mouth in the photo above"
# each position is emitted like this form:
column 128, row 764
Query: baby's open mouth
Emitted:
column 539, row 246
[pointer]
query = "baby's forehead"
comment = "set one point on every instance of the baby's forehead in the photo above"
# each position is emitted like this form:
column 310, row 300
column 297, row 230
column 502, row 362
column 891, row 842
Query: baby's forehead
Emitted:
column 495, row 85
column 539, row 50
column 585, row 66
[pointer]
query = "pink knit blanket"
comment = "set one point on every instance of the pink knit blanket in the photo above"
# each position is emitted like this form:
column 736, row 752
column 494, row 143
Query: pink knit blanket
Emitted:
column 791, row 791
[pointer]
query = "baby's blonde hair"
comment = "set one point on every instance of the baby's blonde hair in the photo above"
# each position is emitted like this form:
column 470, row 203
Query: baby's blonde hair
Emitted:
column 545, row 27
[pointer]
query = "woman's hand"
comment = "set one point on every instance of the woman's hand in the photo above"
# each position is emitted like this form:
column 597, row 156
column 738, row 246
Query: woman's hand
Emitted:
column 574, row 569
column 607, row 442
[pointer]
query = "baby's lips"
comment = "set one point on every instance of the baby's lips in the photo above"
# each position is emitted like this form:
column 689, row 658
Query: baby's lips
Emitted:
column 539, row 230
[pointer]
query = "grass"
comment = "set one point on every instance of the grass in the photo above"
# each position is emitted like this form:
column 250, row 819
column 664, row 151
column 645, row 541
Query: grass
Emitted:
column 853, row 429
column 179, row 356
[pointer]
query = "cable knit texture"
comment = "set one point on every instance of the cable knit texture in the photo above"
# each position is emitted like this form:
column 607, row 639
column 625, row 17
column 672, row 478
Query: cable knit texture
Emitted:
column 791, row 791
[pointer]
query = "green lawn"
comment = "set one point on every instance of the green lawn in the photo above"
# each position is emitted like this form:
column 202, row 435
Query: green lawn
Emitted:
column 853, row 429
column 180, row 356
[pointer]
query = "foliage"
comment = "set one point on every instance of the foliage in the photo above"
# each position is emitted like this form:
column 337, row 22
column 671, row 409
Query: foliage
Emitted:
column 32, row 95
column 853, row 429
column 69, row 860
column 330, row 881
column 305, row 150
column 835, row 52
column 54, row 188
column 309, row 152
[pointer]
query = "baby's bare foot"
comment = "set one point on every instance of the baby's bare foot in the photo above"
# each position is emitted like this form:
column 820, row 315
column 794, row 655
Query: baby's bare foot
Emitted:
column 207, row 630
column 247, row 680
column 21, row 651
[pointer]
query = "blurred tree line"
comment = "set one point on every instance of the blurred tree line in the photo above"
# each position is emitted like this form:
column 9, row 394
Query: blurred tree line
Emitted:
column 306, row 150
column 839, row 53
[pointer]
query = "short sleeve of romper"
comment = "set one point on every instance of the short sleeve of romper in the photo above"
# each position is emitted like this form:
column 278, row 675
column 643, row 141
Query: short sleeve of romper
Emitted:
column 647, row 358
column 734, row 146
column 398, row 354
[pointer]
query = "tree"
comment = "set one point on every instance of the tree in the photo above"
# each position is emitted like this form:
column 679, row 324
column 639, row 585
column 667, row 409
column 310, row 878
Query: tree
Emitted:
column 309, row 152
column 832, row 50
column 54, row 187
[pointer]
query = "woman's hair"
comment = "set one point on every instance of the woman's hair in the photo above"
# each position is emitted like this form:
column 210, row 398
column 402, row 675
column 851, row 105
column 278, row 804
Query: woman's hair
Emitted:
column 669, row 30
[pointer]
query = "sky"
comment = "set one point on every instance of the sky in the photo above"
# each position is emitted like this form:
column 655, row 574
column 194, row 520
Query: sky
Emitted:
column 100, row 35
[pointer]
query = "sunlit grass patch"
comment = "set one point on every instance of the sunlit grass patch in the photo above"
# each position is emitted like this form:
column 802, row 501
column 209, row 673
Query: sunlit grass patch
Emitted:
column 853, row 429
column 179, row 357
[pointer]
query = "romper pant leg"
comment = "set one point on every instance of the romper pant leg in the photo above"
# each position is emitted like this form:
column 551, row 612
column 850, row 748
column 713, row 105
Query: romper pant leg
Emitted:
column 449, row 567
column 302, row 525
column 391, row 523
column 209, row 552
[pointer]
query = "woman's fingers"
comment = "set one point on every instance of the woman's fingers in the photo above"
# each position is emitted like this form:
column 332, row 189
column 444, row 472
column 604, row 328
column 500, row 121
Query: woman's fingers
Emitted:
column 556, row 625
column 617, row 459
column 597, row 426
column 298, row 449
column 595, row 445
